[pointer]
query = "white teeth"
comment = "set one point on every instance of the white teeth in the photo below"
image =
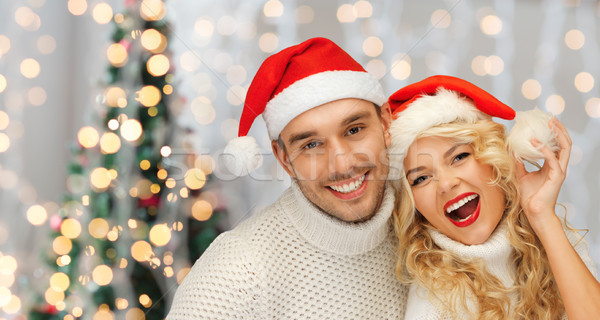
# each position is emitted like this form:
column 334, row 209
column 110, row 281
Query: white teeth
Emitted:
column 352, row 186
column 460, row 204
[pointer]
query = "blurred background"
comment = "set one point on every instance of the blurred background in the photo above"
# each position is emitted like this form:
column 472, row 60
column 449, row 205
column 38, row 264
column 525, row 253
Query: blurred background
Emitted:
column 113, row 115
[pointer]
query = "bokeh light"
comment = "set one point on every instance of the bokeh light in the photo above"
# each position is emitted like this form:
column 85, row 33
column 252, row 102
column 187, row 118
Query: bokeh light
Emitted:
column 77, row 7
column 102, row 13
column 152, row 10
column 2, row 83
column 372, row 46
column 160, row 235
column 102, row 275
column 555, row 104
column 377, row 68
column 153, row 41
column 30, row 68
column 273, row 8
column 115, row 97
column 148, row 96
column 202, row 210
column 491, row 25
column 131, row 130
column 305, row 14
column 346, row 13
column 70, row 228
column 4, row 44
column 100, row 178
column 88, row 137
column 531, row 89
column 117, row 54
column 158, row 65
column 592, row 107
column 141, row 251
column 4, row 142
column 36, row 96
column 59, row 281
column 574, row 39
column 584, row 82
column 363, row 9
column 37, row 215
column 401, row 69
column 110, row 143
column 441, row 19
column 62, row 245
column 235, row 96
column 46, row 44
column 98, row 228
column 204, row 27
column 195, row 178
column 268, row 42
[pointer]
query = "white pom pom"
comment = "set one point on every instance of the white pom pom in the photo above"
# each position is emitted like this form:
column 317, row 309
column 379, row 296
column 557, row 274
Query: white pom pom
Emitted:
column 531, row 124
column 242, row 155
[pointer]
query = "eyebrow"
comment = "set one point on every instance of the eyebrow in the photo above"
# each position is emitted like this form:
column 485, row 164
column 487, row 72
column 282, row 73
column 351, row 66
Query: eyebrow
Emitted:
column 353, row 117
column 414, row 170
column 301, row 136
column 446, row 155
column 451, row 150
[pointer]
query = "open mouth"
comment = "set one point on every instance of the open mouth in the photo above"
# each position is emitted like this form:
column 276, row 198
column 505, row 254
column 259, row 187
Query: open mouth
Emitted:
column 350, row 186
column 351, row 189
column 464, row 211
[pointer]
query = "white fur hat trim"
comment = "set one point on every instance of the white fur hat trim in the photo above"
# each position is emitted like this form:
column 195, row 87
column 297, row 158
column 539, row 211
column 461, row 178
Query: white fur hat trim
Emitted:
column 318, row 89
column 531, row 124
column 242, row 155
column 426, row 112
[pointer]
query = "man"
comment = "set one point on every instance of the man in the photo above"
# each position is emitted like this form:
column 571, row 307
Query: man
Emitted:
column 324, row 249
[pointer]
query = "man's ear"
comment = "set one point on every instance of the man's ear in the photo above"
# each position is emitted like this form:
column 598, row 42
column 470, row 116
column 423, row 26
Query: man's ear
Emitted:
column 386, row 120
column 283, row 158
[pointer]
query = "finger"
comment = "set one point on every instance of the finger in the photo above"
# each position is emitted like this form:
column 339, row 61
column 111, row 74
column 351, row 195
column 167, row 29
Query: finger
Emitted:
column 564, row 153
column 519, row 168
column 551, row 162
column 558, row 125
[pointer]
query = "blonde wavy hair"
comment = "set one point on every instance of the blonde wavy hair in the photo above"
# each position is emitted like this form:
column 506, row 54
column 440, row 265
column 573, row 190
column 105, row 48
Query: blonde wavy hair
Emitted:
column 448, row 276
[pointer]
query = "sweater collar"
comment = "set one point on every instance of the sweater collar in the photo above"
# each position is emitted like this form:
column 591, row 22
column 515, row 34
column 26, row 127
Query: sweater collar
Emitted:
column 495, row 252
column 333, row 235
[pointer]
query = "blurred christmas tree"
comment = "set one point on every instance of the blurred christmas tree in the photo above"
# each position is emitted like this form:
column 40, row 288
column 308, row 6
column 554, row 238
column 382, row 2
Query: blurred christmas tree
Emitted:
column 138, row 213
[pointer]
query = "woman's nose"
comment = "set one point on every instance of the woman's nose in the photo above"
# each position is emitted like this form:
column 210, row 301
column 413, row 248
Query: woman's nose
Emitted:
column 447, row 180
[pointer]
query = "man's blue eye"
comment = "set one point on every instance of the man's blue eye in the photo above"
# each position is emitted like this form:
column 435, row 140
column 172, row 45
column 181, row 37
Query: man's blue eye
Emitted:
column 311, row 145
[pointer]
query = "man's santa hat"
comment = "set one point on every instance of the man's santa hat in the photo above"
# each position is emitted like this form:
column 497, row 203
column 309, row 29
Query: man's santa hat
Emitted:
column 444, row 99
column 293, row 81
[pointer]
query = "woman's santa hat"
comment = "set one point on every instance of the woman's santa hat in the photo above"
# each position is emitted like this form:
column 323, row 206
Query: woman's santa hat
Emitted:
column 444, row 99
column 293, row 81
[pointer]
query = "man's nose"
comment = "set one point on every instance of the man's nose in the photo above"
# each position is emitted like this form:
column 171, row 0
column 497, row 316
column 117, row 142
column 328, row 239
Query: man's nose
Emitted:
column 342, row 157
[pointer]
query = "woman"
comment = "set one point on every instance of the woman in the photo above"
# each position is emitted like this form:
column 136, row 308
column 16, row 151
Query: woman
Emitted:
column 478, row 234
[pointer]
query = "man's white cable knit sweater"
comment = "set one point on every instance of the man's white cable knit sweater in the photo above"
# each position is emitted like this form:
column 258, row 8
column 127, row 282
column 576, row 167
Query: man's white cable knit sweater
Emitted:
column 292, row 261
column 496, row 255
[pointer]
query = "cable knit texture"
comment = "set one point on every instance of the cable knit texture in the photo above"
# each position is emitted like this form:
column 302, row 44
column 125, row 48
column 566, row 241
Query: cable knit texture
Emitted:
column 495, row 253
column 292, row 261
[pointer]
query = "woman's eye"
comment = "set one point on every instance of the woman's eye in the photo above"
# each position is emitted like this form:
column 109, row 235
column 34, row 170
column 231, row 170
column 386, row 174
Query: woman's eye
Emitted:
column 354, row 130
column 461, row 156
column 418, row 180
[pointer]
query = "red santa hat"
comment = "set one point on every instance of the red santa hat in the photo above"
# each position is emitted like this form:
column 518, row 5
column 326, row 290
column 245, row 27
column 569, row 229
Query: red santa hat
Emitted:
column 434, row 101
column 444, row 99
column 293, row 81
